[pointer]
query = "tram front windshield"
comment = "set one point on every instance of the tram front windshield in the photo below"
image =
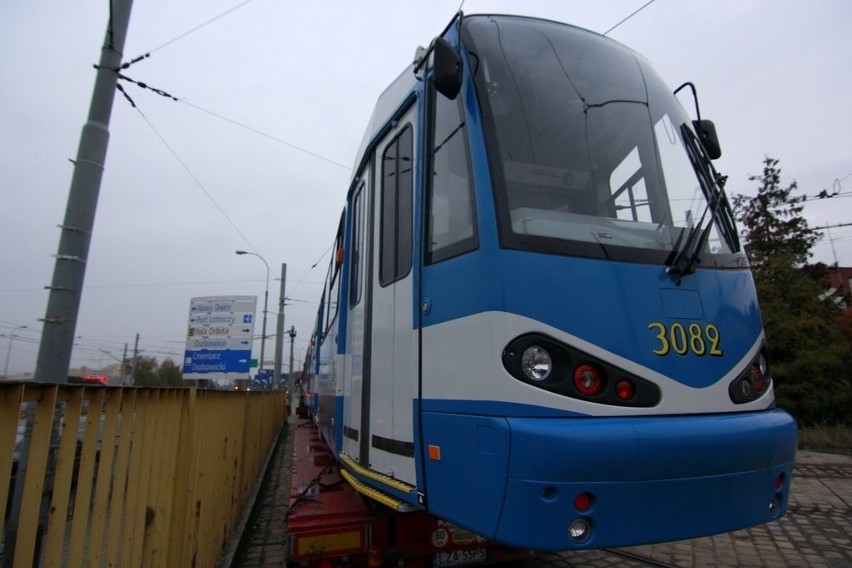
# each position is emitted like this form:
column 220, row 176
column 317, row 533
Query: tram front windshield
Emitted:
column 588, row 149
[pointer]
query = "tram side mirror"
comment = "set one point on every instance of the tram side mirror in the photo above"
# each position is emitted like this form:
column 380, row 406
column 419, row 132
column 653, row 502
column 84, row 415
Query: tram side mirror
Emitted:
column 447, row 69
column 706, row 130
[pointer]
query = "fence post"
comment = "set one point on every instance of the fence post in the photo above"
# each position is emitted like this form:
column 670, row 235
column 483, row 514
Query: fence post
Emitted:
column 11, row 397
column 34, row 477
column 119, row 525
column 61, row 496
column 185, row 522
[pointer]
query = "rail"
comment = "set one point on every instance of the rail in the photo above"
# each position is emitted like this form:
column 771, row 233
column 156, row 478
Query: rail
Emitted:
column 103, row 476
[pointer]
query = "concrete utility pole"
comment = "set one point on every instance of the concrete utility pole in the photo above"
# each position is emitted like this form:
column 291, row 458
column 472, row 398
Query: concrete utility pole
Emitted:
column 9, row 350
column 123, row 371
column 135, row 362
column 63, row 303
column 279, row 331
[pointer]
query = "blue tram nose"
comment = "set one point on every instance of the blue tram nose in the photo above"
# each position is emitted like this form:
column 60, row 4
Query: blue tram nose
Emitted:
column 595, row 482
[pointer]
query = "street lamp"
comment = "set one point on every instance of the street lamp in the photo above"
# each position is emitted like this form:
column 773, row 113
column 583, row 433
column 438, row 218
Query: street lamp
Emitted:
column 265, row 299
column 9, row 350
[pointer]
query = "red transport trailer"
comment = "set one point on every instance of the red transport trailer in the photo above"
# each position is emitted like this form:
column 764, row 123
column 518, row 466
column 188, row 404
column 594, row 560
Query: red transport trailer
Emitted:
column 333, row 520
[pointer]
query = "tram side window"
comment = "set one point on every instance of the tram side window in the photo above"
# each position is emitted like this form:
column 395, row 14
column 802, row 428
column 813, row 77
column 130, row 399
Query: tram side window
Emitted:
column 320, row 324
column 355, row 284
column 451, row 216
column 333, row 282
column 396, row 223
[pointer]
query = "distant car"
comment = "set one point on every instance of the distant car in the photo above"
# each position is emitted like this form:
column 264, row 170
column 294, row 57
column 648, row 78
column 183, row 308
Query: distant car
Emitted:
column 89, row 380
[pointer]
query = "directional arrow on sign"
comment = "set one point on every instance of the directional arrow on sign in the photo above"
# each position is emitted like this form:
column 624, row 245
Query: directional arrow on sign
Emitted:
column 219, row 335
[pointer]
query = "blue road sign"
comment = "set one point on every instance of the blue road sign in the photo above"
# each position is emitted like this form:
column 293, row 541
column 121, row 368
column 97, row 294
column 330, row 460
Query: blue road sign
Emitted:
column 207, row 361
column 219, row 336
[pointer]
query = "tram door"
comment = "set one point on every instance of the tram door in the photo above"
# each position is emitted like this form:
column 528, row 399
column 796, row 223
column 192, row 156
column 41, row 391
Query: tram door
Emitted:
column 390, row 382
column 355, row 366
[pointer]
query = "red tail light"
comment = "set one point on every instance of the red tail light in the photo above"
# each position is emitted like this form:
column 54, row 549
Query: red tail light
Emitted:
column 583, row 502
column 624, row 390
column 757, row 380
column 587, row 379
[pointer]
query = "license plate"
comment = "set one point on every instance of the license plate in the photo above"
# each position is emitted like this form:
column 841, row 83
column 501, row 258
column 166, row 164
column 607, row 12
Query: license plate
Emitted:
column 459, row 557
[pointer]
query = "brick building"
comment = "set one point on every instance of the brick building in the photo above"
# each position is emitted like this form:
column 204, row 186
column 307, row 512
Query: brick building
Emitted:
column 840, row 283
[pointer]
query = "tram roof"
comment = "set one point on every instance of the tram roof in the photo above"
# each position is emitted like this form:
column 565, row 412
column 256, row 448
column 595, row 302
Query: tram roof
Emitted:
column 387, row 105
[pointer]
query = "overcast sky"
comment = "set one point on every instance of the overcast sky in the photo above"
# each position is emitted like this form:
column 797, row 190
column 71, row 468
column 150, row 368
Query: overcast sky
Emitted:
column 273, row 100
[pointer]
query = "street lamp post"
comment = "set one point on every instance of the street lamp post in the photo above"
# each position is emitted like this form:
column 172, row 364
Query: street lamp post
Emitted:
column 265, row 300
column 9, row 350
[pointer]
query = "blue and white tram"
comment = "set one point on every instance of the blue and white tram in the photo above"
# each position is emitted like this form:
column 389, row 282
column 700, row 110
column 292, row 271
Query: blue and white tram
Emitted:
column 539, row 323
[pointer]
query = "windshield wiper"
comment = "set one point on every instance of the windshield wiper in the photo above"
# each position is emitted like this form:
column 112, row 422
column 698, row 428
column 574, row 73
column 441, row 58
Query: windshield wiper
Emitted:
column 713, row 186
column 688, row 257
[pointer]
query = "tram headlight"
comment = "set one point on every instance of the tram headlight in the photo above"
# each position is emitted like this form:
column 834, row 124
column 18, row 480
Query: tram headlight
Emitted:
column 774, row 506
column 580, row 529
column 536, row 363
column 763, row 364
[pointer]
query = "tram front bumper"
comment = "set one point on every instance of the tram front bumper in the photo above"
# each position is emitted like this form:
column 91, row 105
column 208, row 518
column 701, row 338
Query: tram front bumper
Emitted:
column 643, row 480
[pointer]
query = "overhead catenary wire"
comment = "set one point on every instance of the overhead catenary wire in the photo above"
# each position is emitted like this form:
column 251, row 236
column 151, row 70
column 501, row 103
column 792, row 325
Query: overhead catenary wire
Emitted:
column 163, row 93
column 195, row 178
column 252, row 129
column 5, row 323
column 835, row 190
column 158, row 284
column 267, row 135
column 201, row 25
column 830, row 196
column 313, row 266
column 147, row 54
column 645, row 5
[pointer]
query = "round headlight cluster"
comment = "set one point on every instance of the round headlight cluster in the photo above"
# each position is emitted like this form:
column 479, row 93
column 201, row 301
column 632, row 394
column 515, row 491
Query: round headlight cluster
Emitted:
column 536, row 363
column 753, row 383
column 554, row 366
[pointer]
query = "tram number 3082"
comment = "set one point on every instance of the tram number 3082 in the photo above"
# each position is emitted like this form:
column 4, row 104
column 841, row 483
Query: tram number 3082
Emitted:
column 683, row 339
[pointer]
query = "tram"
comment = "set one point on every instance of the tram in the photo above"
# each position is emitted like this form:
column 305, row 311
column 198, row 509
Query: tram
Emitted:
column 539, row 323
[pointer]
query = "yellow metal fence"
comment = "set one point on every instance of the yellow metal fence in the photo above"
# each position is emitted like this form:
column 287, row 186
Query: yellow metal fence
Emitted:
column 102, row 476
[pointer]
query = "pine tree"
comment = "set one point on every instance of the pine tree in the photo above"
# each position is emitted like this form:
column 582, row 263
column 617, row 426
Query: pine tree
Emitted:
column 806, row 350
column 773, row 220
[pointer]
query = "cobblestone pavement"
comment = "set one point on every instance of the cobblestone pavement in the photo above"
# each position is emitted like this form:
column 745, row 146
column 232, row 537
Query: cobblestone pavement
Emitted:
column 816, row 532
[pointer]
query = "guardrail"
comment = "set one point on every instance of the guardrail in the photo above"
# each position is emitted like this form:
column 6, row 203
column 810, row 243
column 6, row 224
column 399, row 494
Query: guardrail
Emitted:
column 116, row 476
